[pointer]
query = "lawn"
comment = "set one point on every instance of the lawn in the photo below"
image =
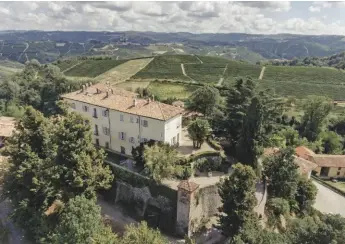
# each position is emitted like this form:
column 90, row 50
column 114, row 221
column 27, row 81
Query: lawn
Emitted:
column 206, row 72
column 93, row 68
column 164, row 90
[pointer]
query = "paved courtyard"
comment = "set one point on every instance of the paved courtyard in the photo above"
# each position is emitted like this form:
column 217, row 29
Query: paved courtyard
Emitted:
column 328, row 201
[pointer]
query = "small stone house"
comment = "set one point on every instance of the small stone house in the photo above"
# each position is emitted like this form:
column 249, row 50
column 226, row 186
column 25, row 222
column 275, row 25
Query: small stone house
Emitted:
column 326, row 165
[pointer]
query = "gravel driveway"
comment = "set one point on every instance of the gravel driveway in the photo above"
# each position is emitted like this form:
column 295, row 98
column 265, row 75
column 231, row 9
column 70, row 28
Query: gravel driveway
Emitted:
column 328, row 201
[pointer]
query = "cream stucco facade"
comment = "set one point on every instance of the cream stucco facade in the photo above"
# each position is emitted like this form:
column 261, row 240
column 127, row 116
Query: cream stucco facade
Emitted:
column 120, row 131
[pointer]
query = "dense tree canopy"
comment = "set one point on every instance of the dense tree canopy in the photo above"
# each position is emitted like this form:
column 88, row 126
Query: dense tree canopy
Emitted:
column 281, row 172
column 161, row 161
column 204, row 100
column 238, row 200
column 316, row 109
column 142, row 234
column 80, row 222
column 37, row 85
column 51, row 159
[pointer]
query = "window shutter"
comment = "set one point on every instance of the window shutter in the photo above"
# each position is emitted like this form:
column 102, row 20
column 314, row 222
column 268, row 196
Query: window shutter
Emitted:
column 124, row 136
column 120, row 135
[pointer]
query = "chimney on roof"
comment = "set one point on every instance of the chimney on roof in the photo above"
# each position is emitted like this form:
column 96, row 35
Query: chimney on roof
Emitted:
column 106, row 94
column 83, row 87
column 112, row 91
column 134, row 102
column 153, row 98
column 148, row 100
column 98, row 91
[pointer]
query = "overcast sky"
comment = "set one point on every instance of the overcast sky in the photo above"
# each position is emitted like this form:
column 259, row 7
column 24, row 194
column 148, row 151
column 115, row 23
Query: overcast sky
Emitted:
column 195, row 17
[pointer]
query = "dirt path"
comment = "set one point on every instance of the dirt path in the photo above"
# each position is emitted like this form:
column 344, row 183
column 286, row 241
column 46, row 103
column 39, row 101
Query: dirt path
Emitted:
column 262, row 72
column 123, row 71
column 185, row 74
column 221, row 79
column 27, row 46
column 199, row 59
column 71, row 67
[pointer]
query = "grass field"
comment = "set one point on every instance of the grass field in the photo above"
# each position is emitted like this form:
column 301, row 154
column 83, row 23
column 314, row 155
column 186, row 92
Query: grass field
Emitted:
column 166, row 67
column 66, row 64
column 304, row 81
column 236, row 69
column 206, row 72
column 123, row 71
column 298, row 74
column 210, row 59
column 93, row 68
column 164, row 90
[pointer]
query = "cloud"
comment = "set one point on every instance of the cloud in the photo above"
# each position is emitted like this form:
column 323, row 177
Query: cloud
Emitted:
column 276, row 6
column 195, row 17
column 314, row 9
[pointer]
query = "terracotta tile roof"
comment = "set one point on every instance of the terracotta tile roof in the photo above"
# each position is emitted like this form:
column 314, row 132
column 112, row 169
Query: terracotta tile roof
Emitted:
column 123, row 101
column 305, row 166
column 325, row 160
column 7, row 125
column 304, row 152
column 188, row 185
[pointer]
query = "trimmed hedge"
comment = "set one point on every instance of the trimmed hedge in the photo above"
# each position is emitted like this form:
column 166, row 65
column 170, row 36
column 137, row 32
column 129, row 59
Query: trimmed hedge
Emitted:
column 206, row 154
column 214, row 144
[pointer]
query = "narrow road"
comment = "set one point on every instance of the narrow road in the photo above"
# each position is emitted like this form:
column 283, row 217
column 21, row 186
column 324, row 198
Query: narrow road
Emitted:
column 262, row 72
column 221, row 79
column 27, row 46
column 69, row 49
column 327, row 201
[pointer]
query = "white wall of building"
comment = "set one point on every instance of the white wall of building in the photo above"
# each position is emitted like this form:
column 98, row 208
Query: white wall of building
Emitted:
column 128, row 130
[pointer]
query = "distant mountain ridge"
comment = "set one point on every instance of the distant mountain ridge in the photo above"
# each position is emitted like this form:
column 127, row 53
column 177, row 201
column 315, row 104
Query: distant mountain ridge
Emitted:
column 278, row 46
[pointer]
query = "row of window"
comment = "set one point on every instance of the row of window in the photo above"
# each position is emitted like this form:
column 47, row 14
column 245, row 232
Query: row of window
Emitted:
column 105, row 113
column 122, row 135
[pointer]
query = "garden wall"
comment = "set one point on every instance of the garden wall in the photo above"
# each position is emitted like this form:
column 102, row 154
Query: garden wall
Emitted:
column 143, row 198
column 204, row 206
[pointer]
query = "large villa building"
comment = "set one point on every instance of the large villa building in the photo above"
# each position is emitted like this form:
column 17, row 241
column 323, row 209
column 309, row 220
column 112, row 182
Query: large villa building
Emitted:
column 121, row 121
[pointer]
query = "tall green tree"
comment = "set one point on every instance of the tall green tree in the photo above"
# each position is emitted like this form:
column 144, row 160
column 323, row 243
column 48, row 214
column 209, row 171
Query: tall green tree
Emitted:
column 142, row 234
column 316, row 109
column 204, row 100
column 81, row 165
column 198, row 131
column 161, row 161
column 281, row 172
column 238, row 99
column 238, row 200
column 80, row 222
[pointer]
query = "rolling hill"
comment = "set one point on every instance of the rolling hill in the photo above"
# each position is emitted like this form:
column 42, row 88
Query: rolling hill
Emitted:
column 51, row 45
column 179, row 75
